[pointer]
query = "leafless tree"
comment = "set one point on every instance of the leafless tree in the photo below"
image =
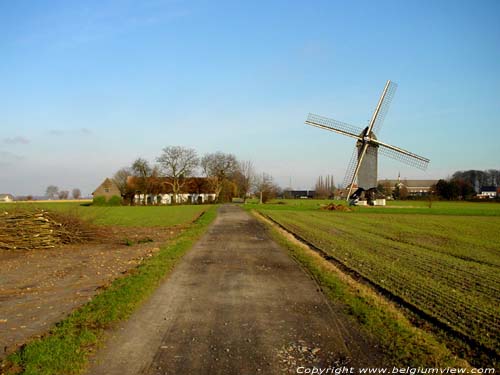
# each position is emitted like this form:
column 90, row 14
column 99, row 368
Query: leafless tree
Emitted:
column 244, row 178
column 63, row 194
column 76, row 193
column 385, row 188
column 51, row 191
column 177, row 163
column 120, row 179
column 218, row 167
column 403, row 190
column 325, row 187
column 265, row 187
column 141, row 169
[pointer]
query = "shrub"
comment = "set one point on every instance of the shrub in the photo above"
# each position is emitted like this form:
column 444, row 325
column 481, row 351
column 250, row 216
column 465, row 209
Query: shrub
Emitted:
column 99, row 201
column 115, row 200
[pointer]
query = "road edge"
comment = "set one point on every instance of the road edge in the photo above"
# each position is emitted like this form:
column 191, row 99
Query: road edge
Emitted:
column 402, row 342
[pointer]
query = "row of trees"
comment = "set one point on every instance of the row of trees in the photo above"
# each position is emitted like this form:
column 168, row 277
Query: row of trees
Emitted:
column 466, row 184
column 227, row 176
column 325, row 187
column 453, row 189
column 53, row 192
column 397, row 191
column 478, row 179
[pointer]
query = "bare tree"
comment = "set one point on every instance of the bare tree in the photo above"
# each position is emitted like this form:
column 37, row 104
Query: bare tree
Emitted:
column 244, row 178
column 51, row 191
column 141, row 168
column 120, row 179
column 76, row 193
column 265, row 187
column 403, row 190
column 177, row 163
column 325, row 187
column 142, row 171
column 63, row 194
column 385, row 188
column 218, row 167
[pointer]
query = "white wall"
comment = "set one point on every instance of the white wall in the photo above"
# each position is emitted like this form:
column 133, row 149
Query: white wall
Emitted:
column 168, row 198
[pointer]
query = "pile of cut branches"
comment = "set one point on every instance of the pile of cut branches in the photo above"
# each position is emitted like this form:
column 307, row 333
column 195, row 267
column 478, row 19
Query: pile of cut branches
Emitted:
column 335, row 207
column 40, row 229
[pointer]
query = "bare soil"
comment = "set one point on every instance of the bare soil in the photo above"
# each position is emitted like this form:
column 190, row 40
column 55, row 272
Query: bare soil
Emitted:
column 38, row 288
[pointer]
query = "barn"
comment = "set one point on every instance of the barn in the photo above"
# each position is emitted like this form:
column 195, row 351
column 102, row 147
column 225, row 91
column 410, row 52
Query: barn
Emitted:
column 107, row 189
column 414, row 187
column 488, row 192
column 158, row 190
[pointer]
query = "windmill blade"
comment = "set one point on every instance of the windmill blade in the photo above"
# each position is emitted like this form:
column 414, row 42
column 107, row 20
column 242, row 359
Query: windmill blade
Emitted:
column 403, row 156
column 333, row 125
column 351, row 167
column 388, row 94
column 361, row 155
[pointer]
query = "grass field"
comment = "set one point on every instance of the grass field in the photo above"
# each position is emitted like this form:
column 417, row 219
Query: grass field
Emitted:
column 444, row 260
column 394, row 207
column 123, row 215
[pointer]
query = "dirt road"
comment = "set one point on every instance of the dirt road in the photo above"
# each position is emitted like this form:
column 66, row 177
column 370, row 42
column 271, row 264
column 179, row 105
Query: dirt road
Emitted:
column 236, row 304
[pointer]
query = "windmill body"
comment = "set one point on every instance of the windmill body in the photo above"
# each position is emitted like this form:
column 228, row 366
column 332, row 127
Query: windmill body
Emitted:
column 367, row 175
column 363, row 166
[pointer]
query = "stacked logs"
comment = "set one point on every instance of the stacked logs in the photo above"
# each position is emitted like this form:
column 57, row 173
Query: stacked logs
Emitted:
column 41, row 230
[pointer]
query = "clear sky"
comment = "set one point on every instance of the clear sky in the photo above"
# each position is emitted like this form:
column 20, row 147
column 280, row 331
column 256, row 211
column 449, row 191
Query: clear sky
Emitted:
column 88, row 86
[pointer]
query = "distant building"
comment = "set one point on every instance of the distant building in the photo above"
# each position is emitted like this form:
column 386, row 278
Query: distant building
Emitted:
column 299, row 194
column 488, row 192
column 6, row 198
column 107, row 189
column 414, row 187
column 193, row 190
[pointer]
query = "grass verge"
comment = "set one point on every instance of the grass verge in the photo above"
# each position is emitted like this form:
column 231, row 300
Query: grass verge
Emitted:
column 66, row 348
column 403, row 343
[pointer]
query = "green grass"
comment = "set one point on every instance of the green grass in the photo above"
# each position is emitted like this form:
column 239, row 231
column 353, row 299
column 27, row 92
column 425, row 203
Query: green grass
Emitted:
column 393, row 207
column 66, row 348
column 403, row 344
column 144, row 216
column 447, row 266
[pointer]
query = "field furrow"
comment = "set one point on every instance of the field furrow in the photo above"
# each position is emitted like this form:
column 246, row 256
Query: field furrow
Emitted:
column 439, row 264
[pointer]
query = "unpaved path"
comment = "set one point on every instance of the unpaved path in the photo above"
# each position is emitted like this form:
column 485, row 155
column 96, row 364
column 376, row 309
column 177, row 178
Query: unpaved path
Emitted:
column 236, row 304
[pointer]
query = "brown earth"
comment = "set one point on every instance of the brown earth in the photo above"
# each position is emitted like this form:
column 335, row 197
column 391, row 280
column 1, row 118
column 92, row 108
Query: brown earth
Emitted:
column 38, row 288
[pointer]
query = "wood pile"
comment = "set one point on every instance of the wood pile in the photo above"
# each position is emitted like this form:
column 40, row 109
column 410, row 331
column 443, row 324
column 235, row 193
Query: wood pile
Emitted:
column 41, row 229
column 336, row 207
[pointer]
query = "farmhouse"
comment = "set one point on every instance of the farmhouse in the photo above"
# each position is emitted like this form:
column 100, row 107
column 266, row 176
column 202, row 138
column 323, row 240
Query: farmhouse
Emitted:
column 6, row 198
column 414, row 187
column 488, row 192
column 159, row 190
column 107, row 189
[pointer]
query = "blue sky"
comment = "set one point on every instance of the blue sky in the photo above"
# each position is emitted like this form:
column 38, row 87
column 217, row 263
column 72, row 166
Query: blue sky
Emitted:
column 88, row 86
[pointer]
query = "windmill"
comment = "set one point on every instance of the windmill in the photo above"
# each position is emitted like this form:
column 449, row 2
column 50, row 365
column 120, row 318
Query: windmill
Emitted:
column 364, row 160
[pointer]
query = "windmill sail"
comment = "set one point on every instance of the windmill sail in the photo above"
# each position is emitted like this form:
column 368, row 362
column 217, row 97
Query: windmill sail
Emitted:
column 351, row 167
column 333, row 125
column 399, row 154
column 384, row 107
